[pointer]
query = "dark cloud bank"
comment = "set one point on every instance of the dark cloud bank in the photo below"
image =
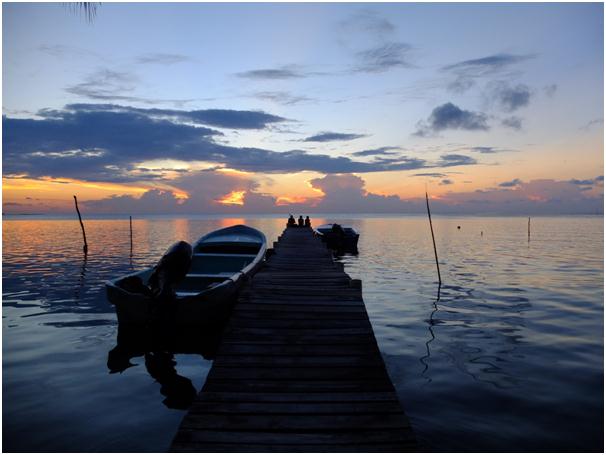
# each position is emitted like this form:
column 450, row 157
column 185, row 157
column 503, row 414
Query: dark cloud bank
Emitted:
column 104, row 142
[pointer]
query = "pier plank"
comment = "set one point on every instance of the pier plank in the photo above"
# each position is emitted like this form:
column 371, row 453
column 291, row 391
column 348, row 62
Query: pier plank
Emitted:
column 298, row 368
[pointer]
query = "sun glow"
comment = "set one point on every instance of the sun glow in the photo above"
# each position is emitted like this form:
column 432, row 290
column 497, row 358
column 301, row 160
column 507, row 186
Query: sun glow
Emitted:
column 287, row 200
column 230, row 171
column 233, row 198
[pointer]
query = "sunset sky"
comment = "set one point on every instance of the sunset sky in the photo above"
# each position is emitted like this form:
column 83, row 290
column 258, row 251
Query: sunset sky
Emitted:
column 271, row 108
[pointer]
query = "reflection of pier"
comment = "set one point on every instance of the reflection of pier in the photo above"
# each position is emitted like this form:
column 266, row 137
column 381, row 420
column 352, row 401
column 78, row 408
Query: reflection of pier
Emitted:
column 298, row 367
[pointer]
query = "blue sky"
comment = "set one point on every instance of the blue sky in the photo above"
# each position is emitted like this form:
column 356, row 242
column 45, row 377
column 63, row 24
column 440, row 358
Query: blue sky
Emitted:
column 480, row 94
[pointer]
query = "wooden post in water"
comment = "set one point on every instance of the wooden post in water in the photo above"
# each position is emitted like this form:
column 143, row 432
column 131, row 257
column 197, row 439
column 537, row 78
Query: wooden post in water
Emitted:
column 85, row 248
column 130, row 222
column 435, row 251
column 529, row 229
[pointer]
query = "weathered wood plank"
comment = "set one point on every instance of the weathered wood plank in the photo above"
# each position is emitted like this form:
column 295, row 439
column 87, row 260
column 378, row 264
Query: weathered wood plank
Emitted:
column 368, row 361
column 339, row 397
column 290, row 349
column 269, row 437
column 299, row 374
column 298, row 448
column 209, row 407
column 290, row 422
column 266, row 385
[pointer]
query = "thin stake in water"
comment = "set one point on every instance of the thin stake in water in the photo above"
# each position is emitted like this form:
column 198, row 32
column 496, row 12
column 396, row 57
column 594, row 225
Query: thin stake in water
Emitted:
column 435, row 251
column 85, row 248
column 529, row 229
column 130, row 222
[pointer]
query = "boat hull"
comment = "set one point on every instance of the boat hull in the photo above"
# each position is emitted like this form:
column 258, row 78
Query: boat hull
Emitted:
column 208, row 307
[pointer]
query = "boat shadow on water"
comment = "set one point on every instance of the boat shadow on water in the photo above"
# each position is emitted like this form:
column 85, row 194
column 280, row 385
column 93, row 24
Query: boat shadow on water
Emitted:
column 158, row 345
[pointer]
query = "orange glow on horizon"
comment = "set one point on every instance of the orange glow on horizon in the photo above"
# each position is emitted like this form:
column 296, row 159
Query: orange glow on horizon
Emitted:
column 233, row 198
column 286, row 200
column 230, row 171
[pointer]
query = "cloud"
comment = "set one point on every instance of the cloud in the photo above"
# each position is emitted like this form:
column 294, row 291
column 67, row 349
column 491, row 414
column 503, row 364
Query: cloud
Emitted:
column 109, row 85
column 599, row 180
column 61, row 50
column 220, row 118
column 510, row 98
column 204, row 188
column 346, row 193
column 281, row 97
column 485, row 149
column 592, row 123
column 377, row 151
column 466, row 72
column 327, row 136
column 537, row 197
column 343, row 193
column 446, row 182
column 489, row 150
column 448, row 116
column 511, row 183
column 455, row 160
column 369, row 22
column 582, row 182
column 488, row 64
column 512, row 122
column 430, row 174
column 550, row 90
column 285, row 72
column 105, row 84
column 369, row 37
column 161, row 58
column 383, row 57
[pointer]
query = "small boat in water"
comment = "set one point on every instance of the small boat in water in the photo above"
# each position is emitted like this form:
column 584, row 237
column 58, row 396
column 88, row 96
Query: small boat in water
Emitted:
column 339, row 237
column 221, row 262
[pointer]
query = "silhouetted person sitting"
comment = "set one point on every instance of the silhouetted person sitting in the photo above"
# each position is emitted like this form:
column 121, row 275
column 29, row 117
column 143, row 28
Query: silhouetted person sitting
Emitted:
column 301, row 221
column 291, row 221
column 337, row 231
column 307, row 222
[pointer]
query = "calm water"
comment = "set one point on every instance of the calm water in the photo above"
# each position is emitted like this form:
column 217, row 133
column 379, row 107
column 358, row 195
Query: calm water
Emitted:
column 509, row 359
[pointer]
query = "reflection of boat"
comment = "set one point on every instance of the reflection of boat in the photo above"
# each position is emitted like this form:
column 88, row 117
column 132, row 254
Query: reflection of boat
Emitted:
column 221, row 261
column 158, row 345
column 339, row 237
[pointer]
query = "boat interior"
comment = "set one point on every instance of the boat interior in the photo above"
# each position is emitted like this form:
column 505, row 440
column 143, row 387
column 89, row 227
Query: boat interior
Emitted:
column 218, row 258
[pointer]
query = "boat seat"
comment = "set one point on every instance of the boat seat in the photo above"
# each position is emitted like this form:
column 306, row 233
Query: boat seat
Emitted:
column 210, row 275
column 187, row 293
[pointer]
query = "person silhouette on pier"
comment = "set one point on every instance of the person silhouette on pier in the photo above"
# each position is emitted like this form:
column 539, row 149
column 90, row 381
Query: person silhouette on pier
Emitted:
column 307, row 221
column 291, row 221
column 301, row 222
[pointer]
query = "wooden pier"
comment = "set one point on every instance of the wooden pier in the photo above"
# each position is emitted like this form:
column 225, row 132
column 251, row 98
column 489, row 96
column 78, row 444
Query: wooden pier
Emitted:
column 298, row 368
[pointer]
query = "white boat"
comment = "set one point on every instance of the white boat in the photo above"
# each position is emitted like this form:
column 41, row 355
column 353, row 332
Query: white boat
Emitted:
column 221, row 262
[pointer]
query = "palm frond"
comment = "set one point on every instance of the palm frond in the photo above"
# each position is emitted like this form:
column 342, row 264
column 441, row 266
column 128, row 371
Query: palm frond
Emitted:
column 87, row 9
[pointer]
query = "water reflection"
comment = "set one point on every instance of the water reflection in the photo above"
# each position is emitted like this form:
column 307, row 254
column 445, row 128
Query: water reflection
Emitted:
column 432, row 336
column 81, row 279
column 158, row 346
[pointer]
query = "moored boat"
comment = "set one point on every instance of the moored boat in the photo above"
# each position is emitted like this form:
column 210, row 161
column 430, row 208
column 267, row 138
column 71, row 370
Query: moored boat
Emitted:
column 221, row 262
column 338, row 237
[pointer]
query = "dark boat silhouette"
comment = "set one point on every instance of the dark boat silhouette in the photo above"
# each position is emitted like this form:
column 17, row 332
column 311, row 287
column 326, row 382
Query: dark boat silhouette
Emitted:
column 221, row 262
column 339, row 237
